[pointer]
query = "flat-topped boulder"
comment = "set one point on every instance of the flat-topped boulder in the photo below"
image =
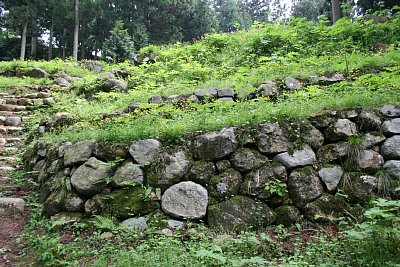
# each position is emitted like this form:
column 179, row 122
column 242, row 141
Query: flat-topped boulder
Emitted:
column 216, row 145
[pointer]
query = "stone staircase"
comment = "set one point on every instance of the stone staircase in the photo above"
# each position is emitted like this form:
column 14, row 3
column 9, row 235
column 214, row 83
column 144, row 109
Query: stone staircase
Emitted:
column 14, row 212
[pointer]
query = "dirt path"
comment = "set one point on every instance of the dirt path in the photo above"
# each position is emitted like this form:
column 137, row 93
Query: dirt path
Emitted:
column 14, row 211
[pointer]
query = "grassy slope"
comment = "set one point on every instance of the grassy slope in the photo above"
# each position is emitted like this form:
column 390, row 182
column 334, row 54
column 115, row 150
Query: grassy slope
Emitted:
column 241, row 60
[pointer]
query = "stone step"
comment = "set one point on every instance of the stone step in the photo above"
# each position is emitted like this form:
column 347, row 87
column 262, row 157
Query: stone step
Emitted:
column 11, row 206
column 11, row 113
column 8, row 151
column 11, row 101
column 7, row 160
column 14, row 140
column 5, row 181
column 9, row 129
column 10, row 120
column 14, row 108
column 10, row 140
column 7, row 168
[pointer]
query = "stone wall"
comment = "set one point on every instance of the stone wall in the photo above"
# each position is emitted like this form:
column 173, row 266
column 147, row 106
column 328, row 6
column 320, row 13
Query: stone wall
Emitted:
column 316, row 169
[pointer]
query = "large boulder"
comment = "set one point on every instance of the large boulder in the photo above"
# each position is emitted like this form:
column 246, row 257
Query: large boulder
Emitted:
column 90, row 178
column 246, row 159
column 145, row 151
column 340, row 130
column 287, row 215
column 226, row 92
column 254, row 182
column 115, row 84
column 333, row 152
column 135, row 224
column 359, row 187
column 390, row 148
column 78, row 152
column 392, row 167
column 207, row 93
column 216, row 145
column 128, row 174
column 268, row 89
column 54, row 203
column 169, row 169
column 186, row 200
column 110, row 151
column 328, row 209
column 390, row 111
column 331, row 176
column 239, row 213
column 74, row 203
column 311, row 135
column 372, row 139
column 304, row 186
column 37, row 73
column 369, row 121
column 129, row 202
column 303, row 157
column 92, row 65
column 369, row 160
column 391, row 127
column 271, row 139
column 201, row 172
column 226, row 184
column 292, row 83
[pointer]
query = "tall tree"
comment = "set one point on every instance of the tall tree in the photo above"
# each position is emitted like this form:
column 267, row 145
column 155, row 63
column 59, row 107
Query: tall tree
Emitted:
column 203, row 20
column 76, row 31
column 311, row 9
column 119, row 45
column 228, row 14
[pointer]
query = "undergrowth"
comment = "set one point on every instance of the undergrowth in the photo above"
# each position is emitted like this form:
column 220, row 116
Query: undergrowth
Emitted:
column 101, row 242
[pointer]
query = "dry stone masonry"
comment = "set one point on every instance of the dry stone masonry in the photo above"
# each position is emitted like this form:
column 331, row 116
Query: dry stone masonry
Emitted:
column 234, row 178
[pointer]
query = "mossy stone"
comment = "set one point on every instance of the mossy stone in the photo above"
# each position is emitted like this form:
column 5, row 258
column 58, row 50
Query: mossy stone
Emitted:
column 239, row 213
column 287, row 215
column 125, row 203
column 328, row 209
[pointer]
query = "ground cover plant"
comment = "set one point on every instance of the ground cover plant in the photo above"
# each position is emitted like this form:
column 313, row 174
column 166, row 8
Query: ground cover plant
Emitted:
column 60, row 241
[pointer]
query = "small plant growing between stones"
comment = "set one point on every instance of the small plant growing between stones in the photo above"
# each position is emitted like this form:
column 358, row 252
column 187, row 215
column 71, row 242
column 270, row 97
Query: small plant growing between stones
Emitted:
column 384, row 182
column 356, row 149
column 149, row 193
column 276, row 186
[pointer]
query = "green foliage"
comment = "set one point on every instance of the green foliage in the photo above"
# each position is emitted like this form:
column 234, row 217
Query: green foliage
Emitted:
column 104, row 224
column 276, row 186
column 119, row 45
column 376, row 242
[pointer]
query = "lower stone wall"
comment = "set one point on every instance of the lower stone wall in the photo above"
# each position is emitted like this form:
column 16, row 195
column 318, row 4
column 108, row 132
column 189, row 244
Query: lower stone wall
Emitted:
column 316, row 169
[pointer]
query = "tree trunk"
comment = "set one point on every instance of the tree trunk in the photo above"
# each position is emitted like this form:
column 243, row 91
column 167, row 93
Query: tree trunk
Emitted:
column 83, row 48
column 64, row 47
column 33, row 47
column 76, row 31
column 335, row 11
column 51, row 41
column 23, row 41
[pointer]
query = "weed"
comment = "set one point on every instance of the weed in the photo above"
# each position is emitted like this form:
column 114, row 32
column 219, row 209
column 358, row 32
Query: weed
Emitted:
column 276, row 187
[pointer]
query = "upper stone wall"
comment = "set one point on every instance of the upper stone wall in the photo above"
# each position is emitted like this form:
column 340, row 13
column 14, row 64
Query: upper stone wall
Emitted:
column 234, row 178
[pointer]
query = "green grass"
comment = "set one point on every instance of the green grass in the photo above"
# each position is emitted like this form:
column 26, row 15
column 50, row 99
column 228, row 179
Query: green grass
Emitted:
column 16, row 83
column 173, row 123
column 52, row 67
